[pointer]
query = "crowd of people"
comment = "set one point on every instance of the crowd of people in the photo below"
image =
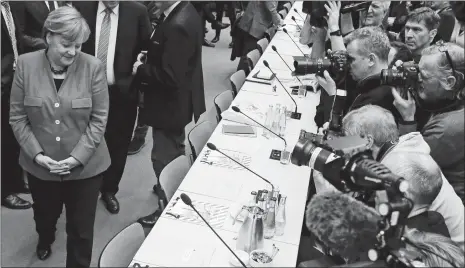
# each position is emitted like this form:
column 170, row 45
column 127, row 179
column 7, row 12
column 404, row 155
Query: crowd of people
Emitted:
column 82, row 81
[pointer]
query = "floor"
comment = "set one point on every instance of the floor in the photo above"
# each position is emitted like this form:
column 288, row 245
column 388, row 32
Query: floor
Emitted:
column 18, row 236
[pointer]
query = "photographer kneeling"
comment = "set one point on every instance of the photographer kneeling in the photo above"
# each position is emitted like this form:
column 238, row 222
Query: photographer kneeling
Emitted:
column 367, row 55
column 441, row 92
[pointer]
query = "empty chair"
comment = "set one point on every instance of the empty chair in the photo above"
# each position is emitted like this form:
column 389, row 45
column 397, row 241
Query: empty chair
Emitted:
column 199, row 136
column 173, row 174
column 237, row 80
column 287, row 7
column 269, row 34
column 120, row 250
column 282, row 13
column 262, row 44
column 252, row 58
column 222, row 102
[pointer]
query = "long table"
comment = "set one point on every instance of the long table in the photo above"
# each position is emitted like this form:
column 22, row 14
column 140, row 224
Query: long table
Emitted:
column 175, row 242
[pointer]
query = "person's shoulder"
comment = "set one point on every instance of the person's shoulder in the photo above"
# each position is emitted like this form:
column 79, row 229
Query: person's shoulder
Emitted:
column 31, row 58
column 89, row 60
column 135, row 6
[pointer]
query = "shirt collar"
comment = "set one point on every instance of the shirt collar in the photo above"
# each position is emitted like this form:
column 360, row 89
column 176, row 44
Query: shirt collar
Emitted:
column 102, row 7
column 170, row 9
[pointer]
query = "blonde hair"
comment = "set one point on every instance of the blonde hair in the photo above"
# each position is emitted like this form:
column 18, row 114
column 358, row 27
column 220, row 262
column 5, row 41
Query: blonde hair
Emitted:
column 430, row 245
column 67, row 22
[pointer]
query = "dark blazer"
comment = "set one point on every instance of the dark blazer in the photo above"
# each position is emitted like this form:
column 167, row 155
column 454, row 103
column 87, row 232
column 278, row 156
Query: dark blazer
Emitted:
column 132, row 37
column 68, row 123
column 31, row 17
column 174, row 71
column 8, row 54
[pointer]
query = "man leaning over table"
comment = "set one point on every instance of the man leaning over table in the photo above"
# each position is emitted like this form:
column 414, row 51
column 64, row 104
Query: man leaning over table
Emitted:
column 172, row 82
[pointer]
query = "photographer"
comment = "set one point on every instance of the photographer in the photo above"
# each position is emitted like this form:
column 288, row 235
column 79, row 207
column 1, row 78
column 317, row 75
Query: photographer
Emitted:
column 367, row 55
column 377, row 124
column 421, row 28
column 441, row 92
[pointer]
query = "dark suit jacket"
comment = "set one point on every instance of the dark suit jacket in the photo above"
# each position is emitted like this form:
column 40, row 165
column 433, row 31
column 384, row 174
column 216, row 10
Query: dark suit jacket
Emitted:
column 132, row 37
column 8, row 55
column 31, row 17
column 174, row 71
column 68, row 123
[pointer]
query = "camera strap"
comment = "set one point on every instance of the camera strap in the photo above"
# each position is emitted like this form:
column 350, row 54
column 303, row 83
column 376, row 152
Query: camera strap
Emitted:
column 385, row 149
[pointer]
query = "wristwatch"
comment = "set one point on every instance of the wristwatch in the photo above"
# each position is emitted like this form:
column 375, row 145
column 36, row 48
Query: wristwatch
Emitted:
column 335, row 33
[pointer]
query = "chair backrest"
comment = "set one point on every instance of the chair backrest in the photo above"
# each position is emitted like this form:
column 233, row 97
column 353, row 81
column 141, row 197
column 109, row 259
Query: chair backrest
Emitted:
column 237, row 80
column 173, row 174
column 199, row 135
column 282, row 13
column 287, row 7
column 252, row 58
column 269, row 34
column 262, row 44
column 222, row 102
column 120, row 250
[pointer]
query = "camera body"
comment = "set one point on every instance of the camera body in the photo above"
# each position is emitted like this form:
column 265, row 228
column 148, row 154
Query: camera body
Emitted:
column 404, row 78
column 335, row 63
column 354, row 6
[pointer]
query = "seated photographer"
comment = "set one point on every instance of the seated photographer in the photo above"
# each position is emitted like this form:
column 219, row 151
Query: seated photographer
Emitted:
column 441, row 92
column 420, row 30
column 367, row 55
column 378, row 125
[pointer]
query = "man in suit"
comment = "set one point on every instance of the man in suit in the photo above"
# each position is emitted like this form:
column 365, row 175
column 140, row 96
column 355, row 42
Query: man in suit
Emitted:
column 174, row 78
column 11, row 177
column 119, row 32
column 31, row 18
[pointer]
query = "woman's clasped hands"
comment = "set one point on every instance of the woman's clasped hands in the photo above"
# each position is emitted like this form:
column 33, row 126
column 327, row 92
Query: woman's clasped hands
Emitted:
column 61, row 168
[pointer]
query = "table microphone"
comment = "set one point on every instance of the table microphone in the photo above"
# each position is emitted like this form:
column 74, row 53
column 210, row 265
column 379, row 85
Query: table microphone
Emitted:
column 285, row 30
column 212, row 147
column 237, row 110
column 275, row 50
column 298, row 14
column 293, row 18
column 187, row 200
column 295, row 114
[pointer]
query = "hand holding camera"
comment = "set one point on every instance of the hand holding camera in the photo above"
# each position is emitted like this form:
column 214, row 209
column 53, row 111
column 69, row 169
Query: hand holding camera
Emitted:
column 406, row 107
column 327, row 83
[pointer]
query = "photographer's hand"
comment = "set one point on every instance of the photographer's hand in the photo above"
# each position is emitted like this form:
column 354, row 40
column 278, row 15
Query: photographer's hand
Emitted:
column 327, row 83
column 334, row 9
column 405, row 107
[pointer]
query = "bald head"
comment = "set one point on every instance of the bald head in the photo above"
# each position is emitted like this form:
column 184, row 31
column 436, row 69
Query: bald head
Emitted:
column 422, row 173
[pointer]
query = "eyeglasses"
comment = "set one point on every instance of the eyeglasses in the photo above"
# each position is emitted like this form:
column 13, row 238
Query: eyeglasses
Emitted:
column 443, row 48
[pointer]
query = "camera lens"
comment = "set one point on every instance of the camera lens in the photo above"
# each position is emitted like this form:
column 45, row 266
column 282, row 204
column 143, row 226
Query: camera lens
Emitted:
column 307, row 153
column 392, row 77
column 312, row 66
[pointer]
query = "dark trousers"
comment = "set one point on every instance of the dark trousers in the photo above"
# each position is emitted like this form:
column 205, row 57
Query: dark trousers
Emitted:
column 118, row 134
column 231, row 13
column 205, row 12
column 80, row 200
column 167, row 145
column 11, row 175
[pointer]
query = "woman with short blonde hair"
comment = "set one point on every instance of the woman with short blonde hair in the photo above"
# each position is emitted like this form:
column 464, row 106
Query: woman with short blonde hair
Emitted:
column 59, row 109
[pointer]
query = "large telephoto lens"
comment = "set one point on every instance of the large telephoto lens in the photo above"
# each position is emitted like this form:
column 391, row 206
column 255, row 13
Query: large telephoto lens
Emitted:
column 306, row 153
column 392, row 77
column 311, row 66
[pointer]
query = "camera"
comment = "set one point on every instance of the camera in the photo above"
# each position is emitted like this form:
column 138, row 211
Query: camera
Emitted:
column 335, row 63
column 404, row 78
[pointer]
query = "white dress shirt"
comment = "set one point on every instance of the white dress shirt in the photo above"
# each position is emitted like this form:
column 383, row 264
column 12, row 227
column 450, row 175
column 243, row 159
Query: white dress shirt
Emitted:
column 111, row 42
column 54, row 3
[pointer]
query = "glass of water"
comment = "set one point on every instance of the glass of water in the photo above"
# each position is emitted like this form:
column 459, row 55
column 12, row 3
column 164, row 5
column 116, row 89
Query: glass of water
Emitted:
column 286, row 155
column 302, row 91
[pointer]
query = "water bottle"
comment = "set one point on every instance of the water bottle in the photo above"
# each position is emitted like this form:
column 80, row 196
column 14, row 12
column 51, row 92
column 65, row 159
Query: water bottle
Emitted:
column 281, row 216
column 282, row 121
column 268, row 121
column 276, row 116
column 270, row 224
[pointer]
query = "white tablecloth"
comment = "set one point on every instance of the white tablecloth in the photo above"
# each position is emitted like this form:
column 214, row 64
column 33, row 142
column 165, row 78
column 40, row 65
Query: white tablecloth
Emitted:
column 176, row 243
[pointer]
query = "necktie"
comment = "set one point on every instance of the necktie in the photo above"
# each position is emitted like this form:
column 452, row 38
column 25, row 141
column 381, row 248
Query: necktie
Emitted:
column 51, row 5
column 11, row 28
column 104, row 38
column 157, row 24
